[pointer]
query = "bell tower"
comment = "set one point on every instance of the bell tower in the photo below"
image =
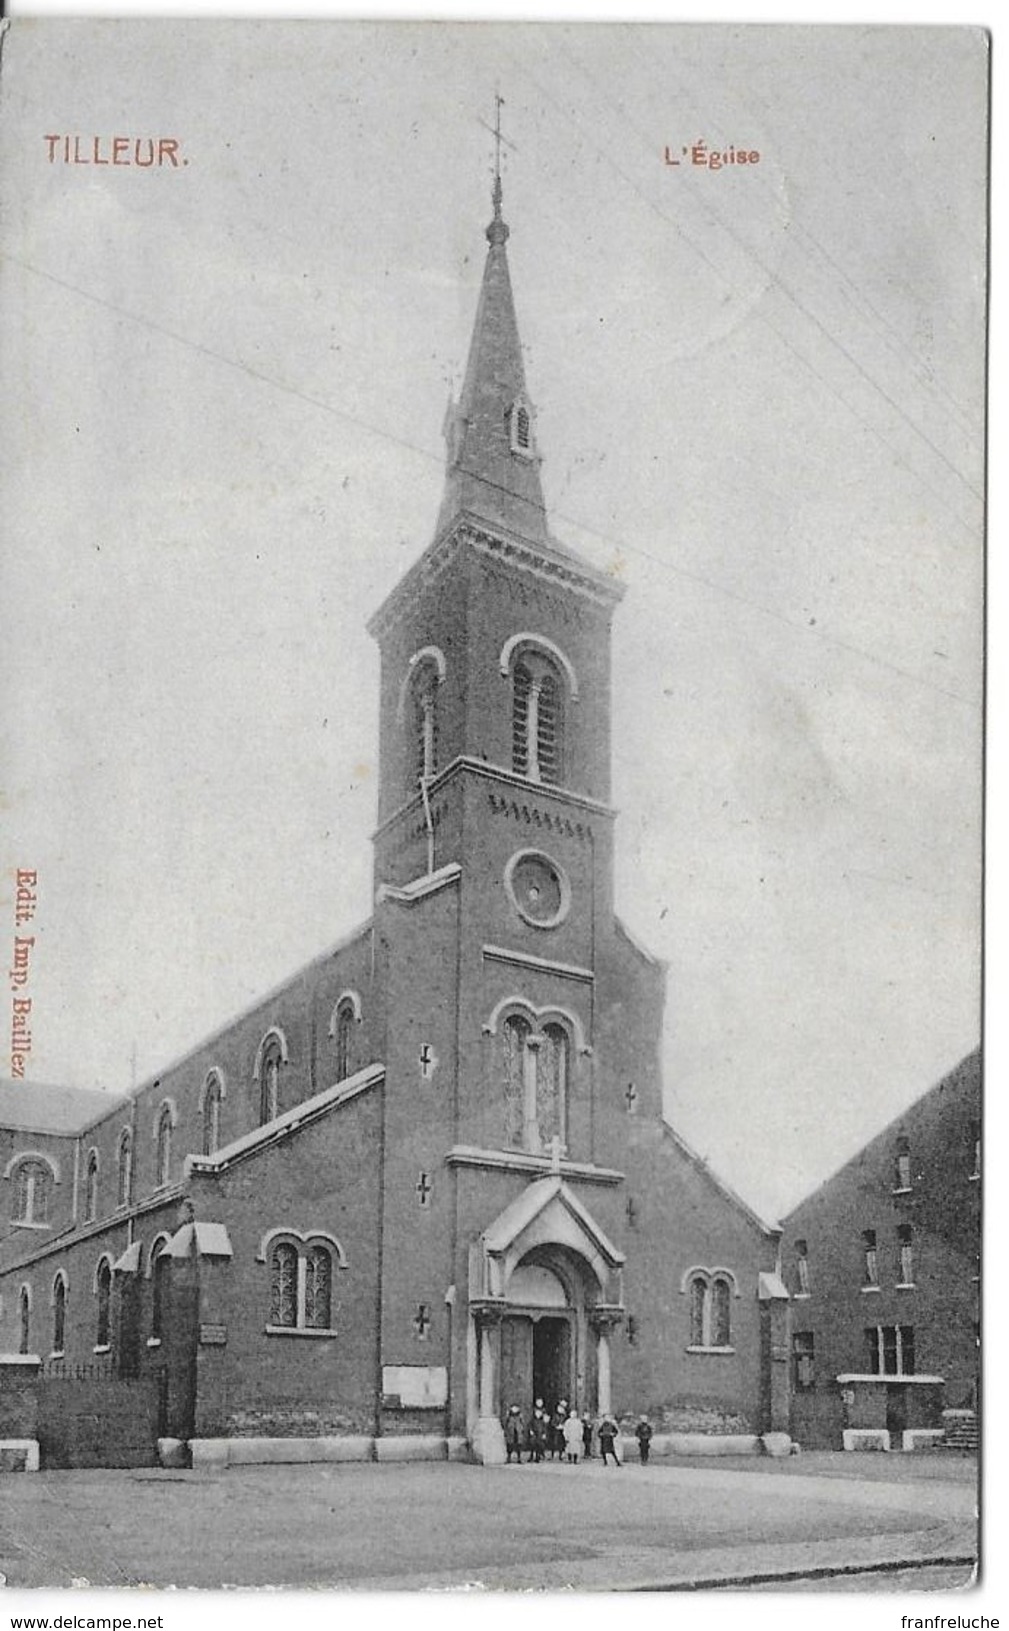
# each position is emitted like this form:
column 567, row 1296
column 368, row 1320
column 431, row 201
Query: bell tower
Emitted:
column 495, row 645
column 494, row 754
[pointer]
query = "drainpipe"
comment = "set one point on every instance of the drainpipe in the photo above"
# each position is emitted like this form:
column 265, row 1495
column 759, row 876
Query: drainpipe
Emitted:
column 429, row 824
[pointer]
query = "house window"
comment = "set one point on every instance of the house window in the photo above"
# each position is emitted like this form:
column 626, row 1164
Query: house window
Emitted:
column 345, row 1021
column 802, row 1267
column 161, row 1265
column 25, row 1321
column 870, row 1267
column 710, row 1310
column 91, row 1188
column 889, row 1350
column 59, row 1313
column 803, row 1361
column 163, row 1155
column 269, row 1079
column 902, row 1166
column 32, row 1188
column 213, row 1094
column 905, row 1249
column 103, row 1291
column 535, row 1069
column 537, row 719
column 124, row 1181
column 975, row 1138
column 301, row 1286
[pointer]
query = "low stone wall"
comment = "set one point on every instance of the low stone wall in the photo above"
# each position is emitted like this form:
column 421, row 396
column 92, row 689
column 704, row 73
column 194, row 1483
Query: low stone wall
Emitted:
column 866, row 1438
column 705, row 1444
column 921, row 1438
column 238, row 1452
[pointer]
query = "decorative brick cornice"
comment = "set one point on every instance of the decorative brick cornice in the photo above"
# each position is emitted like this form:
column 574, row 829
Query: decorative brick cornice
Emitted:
column 530, row 810
column 549, row 563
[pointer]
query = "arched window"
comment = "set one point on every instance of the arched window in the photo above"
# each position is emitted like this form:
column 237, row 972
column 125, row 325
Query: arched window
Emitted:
column 124, row 1179
column 802, row 1267
column 213, row 1094
column 301, row 1285
column 32, row 1189
column 25, row 1321
column 163, row 1155
column 537, row 719
column 91, row 1188
column 698, row 1311
column 424, row 696
column 720, row 1327
column 345, row 1021
column 318, row 1288
column 269, row 1079
column 535, row 1068
column 552, row 1084
column 284, row 1284
column 515, row 1034
column 161, row 1265
column 103, row 1291
column 710, row 1309
column 59, row 1313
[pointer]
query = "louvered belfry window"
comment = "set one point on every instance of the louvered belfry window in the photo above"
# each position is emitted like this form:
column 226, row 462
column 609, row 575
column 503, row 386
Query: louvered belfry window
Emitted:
column 549, row 733
column 537, row 720
column 520, row 720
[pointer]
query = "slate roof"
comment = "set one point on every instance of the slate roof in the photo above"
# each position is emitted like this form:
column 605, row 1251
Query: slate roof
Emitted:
column 39, row 1107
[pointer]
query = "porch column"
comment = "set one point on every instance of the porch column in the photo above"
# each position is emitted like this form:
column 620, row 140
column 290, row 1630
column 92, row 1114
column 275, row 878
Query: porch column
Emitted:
column 487, row 1389
column 488, row 1435
column 603, row 1368
column 603, row 1320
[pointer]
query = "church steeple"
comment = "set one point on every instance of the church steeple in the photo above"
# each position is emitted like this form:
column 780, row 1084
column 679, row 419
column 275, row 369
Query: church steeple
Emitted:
column 493, row 465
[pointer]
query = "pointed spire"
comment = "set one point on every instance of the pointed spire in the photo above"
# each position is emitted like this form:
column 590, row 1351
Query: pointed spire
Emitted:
column 493, row 466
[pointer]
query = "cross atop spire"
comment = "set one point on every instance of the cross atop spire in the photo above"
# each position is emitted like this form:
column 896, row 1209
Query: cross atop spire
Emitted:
column 497, row 232
column 493, row 464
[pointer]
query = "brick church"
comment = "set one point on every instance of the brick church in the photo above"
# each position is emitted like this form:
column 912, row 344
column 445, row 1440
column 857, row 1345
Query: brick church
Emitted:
column 428, row 1177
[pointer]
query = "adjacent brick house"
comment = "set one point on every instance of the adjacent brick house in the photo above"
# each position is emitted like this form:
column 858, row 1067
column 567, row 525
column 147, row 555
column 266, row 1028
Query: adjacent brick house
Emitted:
column 882, row 1263
column 430, row 1175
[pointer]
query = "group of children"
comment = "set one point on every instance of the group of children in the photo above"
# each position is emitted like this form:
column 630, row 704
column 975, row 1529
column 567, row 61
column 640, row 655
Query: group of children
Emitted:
column 562, row 1432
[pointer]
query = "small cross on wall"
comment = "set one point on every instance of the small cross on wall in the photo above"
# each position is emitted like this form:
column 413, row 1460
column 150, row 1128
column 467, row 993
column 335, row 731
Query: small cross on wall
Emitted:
column 424, row 1188
column 428, row 1060
column 422, row 1321
column 631, row 1099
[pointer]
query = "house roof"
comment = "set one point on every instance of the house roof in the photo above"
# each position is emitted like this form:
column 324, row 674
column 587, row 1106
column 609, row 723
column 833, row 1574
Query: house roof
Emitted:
column 39, row 1107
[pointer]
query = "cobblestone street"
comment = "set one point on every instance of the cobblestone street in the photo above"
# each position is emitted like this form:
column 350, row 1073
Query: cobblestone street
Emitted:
column 554, row 1527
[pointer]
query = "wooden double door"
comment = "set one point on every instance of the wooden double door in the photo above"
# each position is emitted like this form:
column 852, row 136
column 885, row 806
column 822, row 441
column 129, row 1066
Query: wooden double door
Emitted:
column 537, row 1361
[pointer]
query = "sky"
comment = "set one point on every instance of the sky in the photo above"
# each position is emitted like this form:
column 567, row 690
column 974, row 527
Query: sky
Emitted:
column 760, row 400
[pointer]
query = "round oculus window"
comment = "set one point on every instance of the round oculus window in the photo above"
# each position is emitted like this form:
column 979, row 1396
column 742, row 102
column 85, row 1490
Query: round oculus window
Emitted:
column 538, row 888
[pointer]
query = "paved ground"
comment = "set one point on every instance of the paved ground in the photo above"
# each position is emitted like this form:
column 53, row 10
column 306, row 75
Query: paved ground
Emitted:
column 673, row 1524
